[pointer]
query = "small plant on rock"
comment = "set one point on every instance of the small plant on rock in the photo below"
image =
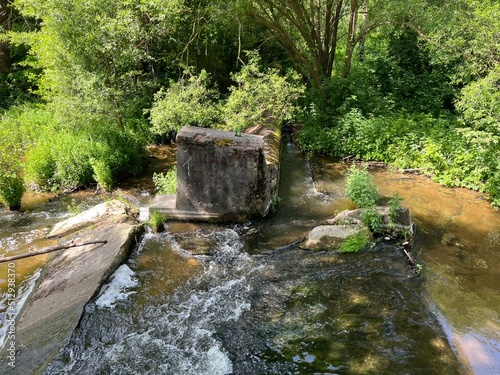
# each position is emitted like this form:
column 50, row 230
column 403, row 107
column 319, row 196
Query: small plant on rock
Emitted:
column 354, row 243
column 394, row 206
column 364, row 194
column 156, row 221
column 372, row 218
column 274, row 204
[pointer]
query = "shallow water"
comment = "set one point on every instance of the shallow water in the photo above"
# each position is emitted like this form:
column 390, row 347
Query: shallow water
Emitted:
column 246, row 309
column 458, row 239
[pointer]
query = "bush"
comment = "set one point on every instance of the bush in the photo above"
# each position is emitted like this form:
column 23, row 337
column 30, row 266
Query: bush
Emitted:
column 189, row 101
column 493, row 188
column 360, row 188
column 102, row 173
column 11, row 191
column 260, row 97
column 72, row 159
column 166, row 183
column 40, row 166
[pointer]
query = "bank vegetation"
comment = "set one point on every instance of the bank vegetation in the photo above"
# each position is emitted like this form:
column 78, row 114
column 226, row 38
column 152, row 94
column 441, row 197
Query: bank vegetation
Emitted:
column 86, row 85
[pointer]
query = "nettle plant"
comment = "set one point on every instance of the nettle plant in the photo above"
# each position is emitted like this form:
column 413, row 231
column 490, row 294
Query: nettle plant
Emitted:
column 364, row 194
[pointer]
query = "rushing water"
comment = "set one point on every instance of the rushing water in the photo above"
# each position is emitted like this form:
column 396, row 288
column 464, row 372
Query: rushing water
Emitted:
column 248, row 309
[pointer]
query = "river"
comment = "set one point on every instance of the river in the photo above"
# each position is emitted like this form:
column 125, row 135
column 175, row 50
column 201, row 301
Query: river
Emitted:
column 245, row 308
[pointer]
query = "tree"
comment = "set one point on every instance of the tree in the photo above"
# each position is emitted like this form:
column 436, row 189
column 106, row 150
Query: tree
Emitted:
column 100, row 57
column 315, row 32
column 5, row 25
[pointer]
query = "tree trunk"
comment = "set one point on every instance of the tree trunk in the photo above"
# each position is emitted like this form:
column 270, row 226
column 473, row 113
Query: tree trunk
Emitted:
column 363, row 27
column 351, row 37
column 4, row 47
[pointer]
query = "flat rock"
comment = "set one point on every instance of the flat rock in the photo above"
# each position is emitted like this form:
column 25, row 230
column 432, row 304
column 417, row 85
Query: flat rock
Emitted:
column 103, row 211
column 69, row 281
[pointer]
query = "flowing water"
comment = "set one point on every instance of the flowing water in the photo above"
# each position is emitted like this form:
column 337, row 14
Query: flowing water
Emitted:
column 255, row 306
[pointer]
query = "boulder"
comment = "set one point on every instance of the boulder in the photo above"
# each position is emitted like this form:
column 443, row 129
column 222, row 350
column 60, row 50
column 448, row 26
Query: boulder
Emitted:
column 329, row 237
column 401, row 225
column 349, row 223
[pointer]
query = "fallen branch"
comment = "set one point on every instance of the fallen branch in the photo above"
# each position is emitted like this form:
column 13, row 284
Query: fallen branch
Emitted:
column 50, row 249
column 410, row 258
column 412, row 170
column 284, row 248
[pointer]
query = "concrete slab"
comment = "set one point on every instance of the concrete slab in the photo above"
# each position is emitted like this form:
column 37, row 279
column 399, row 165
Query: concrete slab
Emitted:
column 166, row 204
column 69, row 281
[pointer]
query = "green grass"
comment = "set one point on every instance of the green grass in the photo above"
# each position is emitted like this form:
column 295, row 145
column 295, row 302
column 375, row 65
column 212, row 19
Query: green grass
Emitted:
column 354, row 243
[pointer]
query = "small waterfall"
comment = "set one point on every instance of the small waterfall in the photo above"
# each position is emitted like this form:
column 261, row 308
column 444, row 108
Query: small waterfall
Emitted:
column 177, row 336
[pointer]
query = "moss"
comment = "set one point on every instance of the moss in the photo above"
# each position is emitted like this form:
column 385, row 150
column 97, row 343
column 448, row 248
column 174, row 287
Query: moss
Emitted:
column 224, row 142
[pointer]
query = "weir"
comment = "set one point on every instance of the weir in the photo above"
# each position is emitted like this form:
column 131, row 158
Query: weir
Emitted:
column 222, row 176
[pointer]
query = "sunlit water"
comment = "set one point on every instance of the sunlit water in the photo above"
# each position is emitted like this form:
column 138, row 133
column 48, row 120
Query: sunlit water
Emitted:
column 247, row 309
column 458, row 239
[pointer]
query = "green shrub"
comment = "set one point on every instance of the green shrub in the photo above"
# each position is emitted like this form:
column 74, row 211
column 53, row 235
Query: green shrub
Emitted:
column 72, row 159
column 360, row 188
column 40, row 166
column 354, row 243
column 156, row 221
column 166, row 183
column 102, row 173
column 189, row 101
column 493, row 188
column 260, row 97
column 11, row 191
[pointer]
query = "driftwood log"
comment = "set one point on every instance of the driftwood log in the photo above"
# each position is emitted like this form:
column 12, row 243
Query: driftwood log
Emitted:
column 49, row 250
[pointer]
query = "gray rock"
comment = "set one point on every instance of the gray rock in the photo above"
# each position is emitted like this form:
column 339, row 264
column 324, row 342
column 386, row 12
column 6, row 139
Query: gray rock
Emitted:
column 104, row 211
column 399, row 226
column 329, row 237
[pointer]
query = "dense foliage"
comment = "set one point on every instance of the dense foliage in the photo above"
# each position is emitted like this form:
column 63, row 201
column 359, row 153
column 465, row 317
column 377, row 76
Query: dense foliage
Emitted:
column 85, row 85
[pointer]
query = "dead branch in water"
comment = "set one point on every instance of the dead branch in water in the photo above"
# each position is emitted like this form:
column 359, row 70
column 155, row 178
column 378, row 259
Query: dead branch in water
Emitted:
column 50, row 249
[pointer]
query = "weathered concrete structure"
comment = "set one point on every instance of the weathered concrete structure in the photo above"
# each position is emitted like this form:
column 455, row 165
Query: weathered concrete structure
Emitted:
column 69, row 280
column 223, row 177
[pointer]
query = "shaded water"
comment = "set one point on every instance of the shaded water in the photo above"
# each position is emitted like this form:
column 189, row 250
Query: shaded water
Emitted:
column 248, row 310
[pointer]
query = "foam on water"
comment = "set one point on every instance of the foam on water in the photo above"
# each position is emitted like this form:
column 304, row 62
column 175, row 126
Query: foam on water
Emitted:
column 182, row 338
column 23, row 292
column 117, row 288
column 179, row 336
